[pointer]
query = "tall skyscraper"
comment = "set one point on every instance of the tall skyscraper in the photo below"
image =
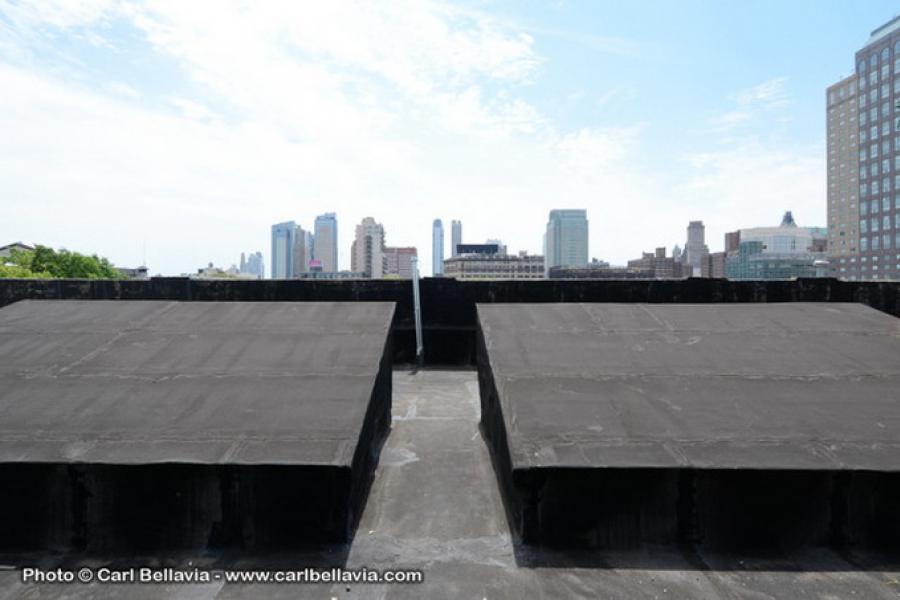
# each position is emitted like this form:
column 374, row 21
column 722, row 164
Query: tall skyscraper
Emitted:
column 566, row 239
column 325, row 246
column 455, row 236
column 696, row 251
column 876, row 162
column 842, row 169
column 367, row 250
column 283, row 235
column 302, row 254
column 437, row 248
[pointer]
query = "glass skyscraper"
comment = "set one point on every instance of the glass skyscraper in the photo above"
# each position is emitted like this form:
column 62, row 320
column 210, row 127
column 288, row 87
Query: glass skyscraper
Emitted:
column 283, row 249
column 326, row 242
column 566, row 239
column 437, row 248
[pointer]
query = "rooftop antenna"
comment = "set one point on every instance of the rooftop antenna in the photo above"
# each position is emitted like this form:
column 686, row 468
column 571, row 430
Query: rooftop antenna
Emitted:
column 417, row 311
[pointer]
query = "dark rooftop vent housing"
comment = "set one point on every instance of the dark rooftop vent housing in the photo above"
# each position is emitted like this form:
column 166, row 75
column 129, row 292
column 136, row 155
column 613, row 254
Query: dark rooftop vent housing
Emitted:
column 742, row 427
column 158, row 424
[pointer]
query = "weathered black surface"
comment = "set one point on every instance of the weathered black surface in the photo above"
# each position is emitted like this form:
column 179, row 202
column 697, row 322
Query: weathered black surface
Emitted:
column 136, row 424
column 448, row 305
column 615, row 425
column 435, row 506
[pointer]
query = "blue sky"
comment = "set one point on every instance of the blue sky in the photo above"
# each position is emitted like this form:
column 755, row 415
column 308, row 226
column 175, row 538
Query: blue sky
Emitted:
column 180, row 131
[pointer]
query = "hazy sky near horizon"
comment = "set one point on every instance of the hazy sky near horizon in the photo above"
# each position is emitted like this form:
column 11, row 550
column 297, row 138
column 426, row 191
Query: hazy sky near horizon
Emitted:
column 180, row 131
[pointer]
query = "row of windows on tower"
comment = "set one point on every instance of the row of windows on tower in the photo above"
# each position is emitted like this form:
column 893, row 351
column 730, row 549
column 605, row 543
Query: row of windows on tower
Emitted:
column 884, row 56
column 878, row 187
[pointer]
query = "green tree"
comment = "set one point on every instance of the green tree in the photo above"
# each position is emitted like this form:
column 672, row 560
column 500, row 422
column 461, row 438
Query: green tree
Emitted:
column 45, row 262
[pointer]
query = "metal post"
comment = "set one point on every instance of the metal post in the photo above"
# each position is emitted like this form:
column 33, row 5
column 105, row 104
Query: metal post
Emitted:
column 417, row 311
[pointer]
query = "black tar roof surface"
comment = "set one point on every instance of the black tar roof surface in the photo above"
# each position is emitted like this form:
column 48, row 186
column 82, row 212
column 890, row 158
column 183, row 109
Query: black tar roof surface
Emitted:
column 201, row 382
column 768, row 386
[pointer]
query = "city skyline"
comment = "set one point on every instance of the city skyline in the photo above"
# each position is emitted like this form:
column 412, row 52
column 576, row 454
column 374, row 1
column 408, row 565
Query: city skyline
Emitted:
column 197, row 153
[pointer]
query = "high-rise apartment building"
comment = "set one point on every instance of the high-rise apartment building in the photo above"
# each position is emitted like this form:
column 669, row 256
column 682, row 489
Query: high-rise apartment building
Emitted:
column 878, row 154
column 455, row 237
column 842, row 171
column 437, row 248
column 283, row 235
column 325, row 247
column 566, row 239
column 696, row 251
column 367, row 250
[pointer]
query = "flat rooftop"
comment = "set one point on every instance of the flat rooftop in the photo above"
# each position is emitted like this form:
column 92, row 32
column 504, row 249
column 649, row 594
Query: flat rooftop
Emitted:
column 141, row 382
column 435, row 506
column 715, row 386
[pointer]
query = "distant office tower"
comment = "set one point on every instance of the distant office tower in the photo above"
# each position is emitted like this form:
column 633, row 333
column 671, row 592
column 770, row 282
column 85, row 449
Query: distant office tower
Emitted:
column 455, row 237
column 566, row 239
column 301, row 252
column 326, row 238
column 253, row 265
column 367, row 250
column 437, row 248
column 696, row 251
column 283, row 249
column 398, row 261
column 843, row 131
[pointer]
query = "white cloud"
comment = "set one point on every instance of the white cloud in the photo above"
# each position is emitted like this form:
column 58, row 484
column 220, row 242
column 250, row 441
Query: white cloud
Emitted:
column 403, row 111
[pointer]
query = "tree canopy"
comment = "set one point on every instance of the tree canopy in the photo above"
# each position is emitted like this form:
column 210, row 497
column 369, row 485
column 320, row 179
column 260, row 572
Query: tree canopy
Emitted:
column 46, row 263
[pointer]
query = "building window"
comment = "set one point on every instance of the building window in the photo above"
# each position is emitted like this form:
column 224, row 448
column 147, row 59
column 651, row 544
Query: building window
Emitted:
column 886, row 203
column 886, row 184
column 863, row 190
column 885, row 54
column 886, row 223
column 874, row 224
column 886, row 165
column 863, row 226
column 876, row 243
column 875, row 188
column 863, row 244
column 863, row 208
